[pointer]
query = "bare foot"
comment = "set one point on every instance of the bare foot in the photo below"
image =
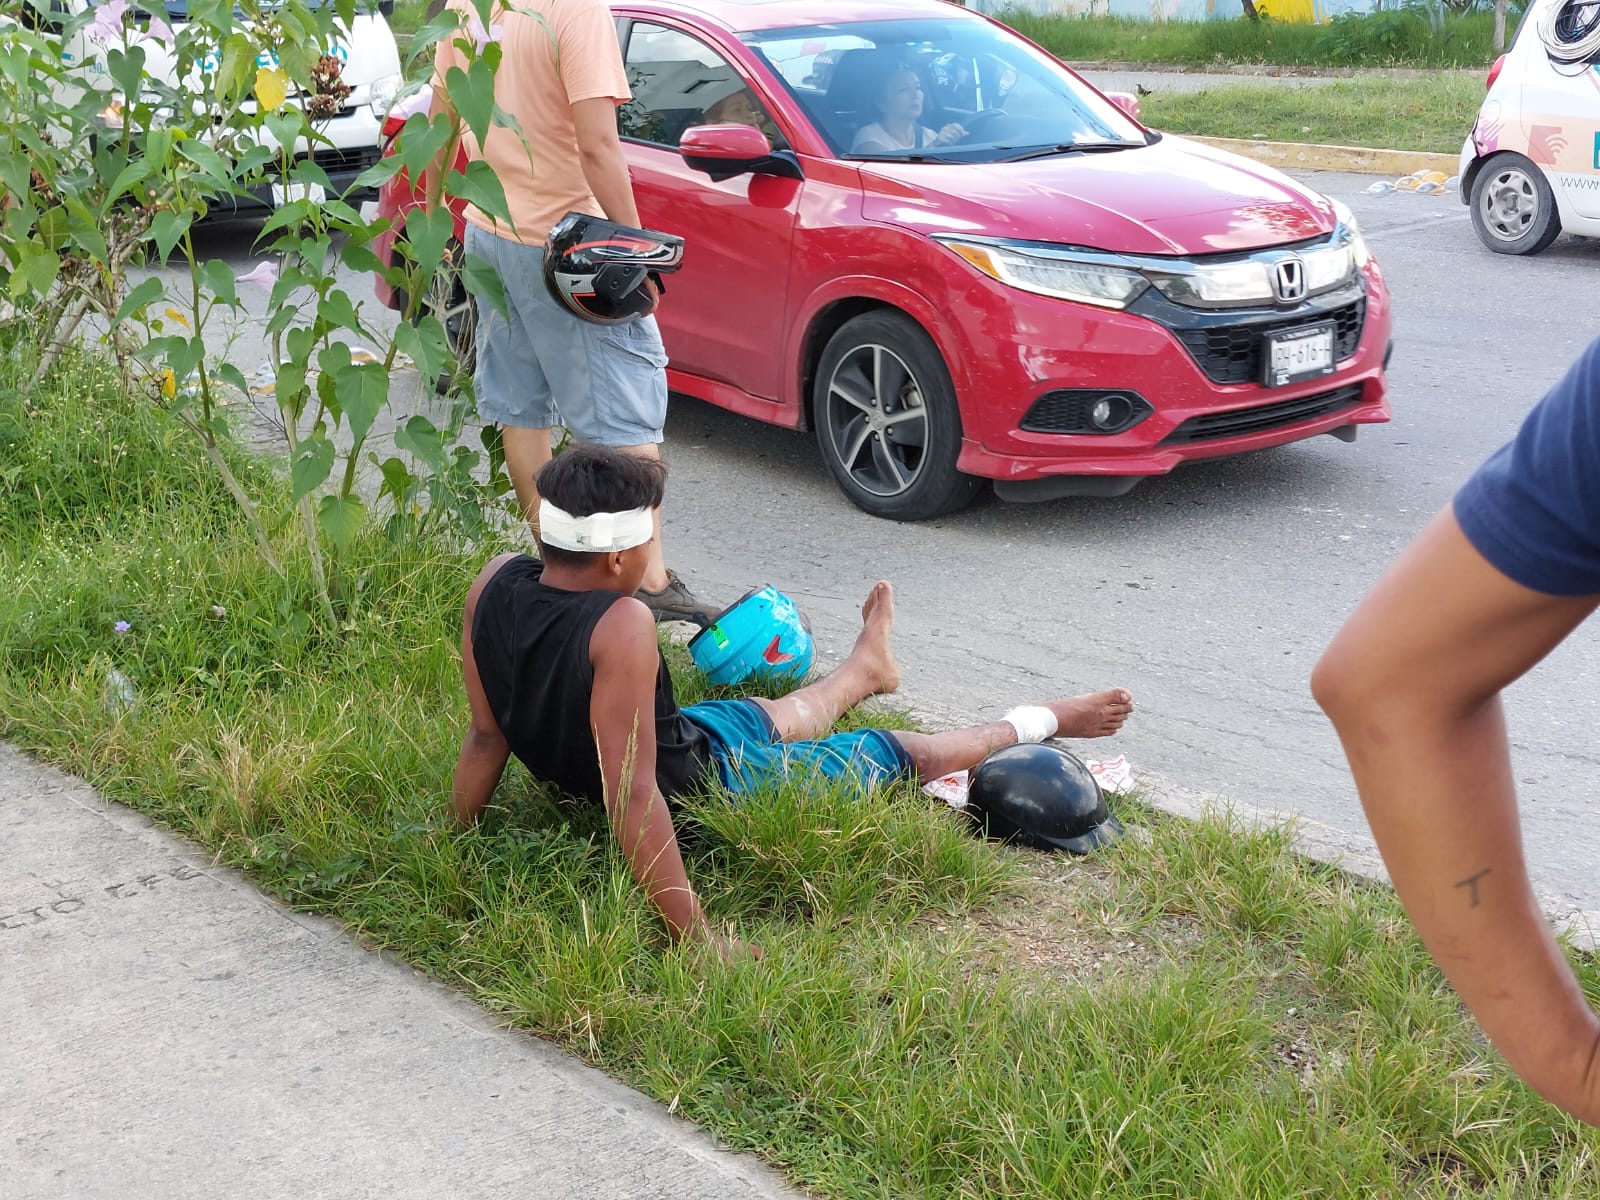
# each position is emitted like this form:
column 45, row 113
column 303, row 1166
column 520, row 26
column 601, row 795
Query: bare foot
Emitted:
column 1097, row 714
column 872, row 646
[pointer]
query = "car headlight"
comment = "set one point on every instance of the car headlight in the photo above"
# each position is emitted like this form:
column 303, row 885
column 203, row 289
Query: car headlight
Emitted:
column 1358, row 244
column 1061, row 274
column 382, row 94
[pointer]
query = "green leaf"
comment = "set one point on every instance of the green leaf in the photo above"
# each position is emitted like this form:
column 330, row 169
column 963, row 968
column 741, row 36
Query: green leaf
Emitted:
column 418, row 436
column 126, row 67
column 238, row 69
column 472, row 93
column 306, row 171
column 480, row 186
column 212, row 169
column 85, row 231
column 484, row 282
column 379, row 173
column 282, row 316
column 398, row 481
column 429, row 233
column 338, row 311
column 41, row 267
column 341, row 518
column 290, row 278
column 363, row 390
column 435, row 31
column 420, row 141
column 131, row 174
column 218, row 278
column 287, row 127
column 427, row 346
column 356, row 256
column 148, row 292
column 232, row 376
column 167, row 229
column 313, row 463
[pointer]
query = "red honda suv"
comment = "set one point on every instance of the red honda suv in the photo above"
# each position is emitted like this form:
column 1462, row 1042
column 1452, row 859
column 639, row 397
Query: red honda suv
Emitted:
column 918, row 235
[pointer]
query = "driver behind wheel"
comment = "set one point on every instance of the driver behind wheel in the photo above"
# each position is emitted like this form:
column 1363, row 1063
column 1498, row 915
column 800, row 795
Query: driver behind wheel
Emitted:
column 898, row 103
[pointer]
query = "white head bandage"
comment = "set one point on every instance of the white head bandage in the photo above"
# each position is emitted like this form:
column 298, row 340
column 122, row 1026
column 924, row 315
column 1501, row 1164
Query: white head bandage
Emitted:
column 599, row 533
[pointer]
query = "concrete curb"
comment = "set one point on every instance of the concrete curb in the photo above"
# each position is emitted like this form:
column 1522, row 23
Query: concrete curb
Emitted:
column 1312, row 157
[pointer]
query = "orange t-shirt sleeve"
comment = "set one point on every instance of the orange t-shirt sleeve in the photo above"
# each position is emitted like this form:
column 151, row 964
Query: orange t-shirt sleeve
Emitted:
column 589, row 59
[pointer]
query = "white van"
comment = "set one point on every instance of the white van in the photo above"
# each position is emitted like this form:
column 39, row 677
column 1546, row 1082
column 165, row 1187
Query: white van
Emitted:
column 1531, row 166
column 370, row 68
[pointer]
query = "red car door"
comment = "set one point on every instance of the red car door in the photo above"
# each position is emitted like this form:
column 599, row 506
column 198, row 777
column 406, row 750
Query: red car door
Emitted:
column 724, row 315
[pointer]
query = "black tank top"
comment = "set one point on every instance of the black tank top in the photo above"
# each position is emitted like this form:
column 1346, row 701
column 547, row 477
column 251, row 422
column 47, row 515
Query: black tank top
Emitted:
column 531, row 644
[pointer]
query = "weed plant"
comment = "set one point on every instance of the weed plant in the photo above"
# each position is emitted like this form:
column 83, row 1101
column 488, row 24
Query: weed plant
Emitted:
column 1203, row 1013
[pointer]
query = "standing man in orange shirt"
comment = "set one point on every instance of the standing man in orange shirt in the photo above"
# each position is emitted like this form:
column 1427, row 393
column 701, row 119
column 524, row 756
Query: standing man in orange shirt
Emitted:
column 560, row 81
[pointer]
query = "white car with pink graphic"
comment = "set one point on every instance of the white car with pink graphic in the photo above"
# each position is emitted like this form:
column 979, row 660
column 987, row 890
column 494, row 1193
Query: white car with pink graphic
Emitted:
column 1530, row 169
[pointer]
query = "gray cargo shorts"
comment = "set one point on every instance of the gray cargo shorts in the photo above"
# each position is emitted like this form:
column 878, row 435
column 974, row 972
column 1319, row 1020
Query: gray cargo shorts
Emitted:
column 540, row 365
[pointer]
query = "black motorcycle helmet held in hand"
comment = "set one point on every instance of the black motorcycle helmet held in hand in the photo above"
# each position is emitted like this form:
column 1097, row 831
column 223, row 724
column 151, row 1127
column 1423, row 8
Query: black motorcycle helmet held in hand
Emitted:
column 597, row 268
column 1043, row 797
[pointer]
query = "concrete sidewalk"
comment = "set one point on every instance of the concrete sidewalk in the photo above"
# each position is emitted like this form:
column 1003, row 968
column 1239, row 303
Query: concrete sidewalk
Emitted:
column 172, row 1032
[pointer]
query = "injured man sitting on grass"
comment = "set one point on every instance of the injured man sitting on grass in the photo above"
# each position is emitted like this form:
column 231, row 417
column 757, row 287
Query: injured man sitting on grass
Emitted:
column 563, row 669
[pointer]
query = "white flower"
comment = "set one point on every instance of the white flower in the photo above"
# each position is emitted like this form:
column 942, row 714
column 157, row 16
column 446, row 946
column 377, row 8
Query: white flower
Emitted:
column 264, row 275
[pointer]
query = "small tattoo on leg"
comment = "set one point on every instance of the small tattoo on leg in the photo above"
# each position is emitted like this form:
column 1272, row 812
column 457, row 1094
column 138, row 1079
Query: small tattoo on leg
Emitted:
column 1471, row 883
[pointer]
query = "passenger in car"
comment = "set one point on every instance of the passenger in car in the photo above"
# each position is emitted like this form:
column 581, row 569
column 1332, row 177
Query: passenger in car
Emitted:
column 742, row 108
column 899, row 126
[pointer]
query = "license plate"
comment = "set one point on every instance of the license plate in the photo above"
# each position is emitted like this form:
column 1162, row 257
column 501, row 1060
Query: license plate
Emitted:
column 283, row 193
column 1297, row 354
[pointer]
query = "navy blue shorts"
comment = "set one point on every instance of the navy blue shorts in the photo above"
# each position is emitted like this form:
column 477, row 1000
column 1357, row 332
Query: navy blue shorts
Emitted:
column 748, row 754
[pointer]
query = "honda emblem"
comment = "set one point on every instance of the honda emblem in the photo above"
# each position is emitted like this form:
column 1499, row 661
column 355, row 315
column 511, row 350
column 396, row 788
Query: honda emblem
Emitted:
column 1289, row 280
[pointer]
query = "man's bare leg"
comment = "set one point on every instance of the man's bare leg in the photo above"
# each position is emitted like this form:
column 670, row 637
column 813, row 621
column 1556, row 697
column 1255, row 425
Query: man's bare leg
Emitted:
column 869, row 670
column 1095, row 714
column 526, row 451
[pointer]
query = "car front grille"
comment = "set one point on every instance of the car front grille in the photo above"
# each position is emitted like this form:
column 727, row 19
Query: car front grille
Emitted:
column 1232, row 353
column 1263, row 417
column 354, row 161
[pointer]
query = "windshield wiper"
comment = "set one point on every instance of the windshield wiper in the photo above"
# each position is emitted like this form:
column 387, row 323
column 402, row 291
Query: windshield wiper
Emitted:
column 913, row 156
column 1070, row 148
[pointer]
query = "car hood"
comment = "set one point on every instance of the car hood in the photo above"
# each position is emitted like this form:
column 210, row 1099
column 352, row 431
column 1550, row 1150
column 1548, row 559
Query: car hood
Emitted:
column 1172, row 198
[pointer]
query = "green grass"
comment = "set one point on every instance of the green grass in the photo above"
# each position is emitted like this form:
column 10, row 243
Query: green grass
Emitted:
column 1397, row 38
column 1197, row 1013
column 1431, row 113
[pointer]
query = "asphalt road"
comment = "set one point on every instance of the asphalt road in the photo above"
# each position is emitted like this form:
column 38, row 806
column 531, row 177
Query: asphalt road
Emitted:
column 1208, row 593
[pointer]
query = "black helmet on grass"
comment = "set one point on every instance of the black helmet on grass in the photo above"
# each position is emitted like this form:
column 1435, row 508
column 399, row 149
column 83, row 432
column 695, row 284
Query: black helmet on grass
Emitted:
column 1043, row 797
column 597, row 268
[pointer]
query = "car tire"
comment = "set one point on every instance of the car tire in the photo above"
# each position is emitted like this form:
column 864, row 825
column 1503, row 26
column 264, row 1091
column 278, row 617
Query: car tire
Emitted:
column 1513, row 208
column 887, row 421
column 448, row 299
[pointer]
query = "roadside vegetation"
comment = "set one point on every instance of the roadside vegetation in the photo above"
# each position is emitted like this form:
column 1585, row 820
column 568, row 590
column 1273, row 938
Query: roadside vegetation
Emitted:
column 1409, row 36
column 1432, row 112
column 1198, row 1012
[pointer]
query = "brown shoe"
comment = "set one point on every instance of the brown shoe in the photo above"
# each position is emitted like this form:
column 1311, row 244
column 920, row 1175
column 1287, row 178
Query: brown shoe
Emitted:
column 675, row 602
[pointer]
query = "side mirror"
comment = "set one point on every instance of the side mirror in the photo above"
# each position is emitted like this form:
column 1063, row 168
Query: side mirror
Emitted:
column 723, row 151
column 386, row 8
column 1126, row 101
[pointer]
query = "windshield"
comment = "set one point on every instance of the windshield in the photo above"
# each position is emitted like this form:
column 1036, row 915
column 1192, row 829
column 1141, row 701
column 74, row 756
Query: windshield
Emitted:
column 938, row 90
